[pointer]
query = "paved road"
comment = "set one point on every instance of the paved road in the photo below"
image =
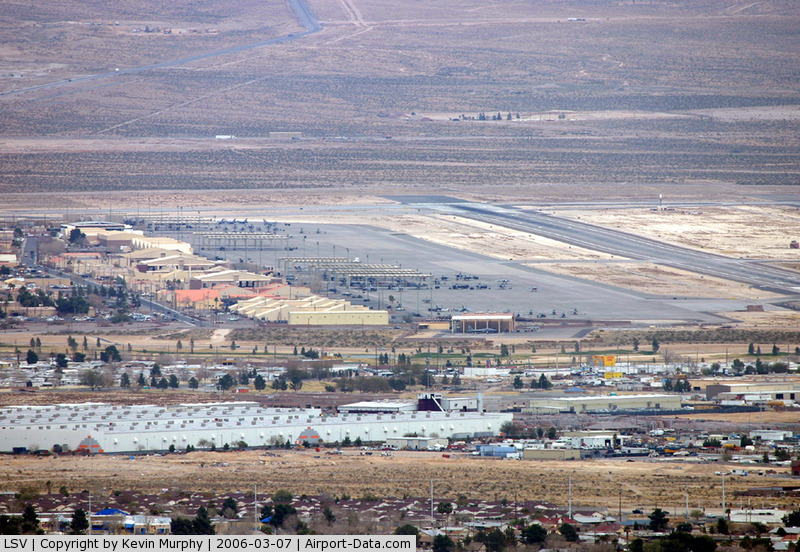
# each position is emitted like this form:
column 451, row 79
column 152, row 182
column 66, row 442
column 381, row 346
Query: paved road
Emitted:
column 747, row 271
column 301, row 10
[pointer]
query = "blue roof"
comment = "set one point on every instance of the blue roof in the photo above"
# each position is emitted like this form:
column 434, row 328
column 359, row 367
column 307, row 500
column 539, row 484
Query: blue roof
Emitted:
column 110, row 512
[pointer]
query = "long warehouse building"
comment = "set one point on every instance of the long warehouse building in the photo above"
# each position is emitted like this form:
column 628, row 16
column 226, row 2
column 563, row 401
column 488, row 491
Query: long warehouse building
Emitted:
column 105, row 428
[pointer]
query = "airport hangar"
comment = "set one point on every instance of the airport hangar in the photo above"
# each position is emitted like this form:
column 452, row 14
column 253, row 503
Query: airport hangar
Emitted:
column 482, row 323
column 100, row 427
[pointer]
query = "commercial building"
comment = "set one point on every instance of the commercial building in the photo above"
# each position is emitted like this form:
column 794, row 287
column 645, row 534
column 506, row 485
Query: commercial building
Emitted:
column 606, row 403
column 377, row 407
column 105, row 428
column 550, row 454
column 754, row 392
column 426, row 402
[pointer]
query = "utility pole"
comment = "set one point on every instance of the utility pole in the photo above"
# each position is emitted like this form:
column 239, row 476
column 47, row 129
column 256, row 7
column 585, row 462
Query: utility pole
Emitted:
column 432, row 519
column 687, row 501
column 569, row 484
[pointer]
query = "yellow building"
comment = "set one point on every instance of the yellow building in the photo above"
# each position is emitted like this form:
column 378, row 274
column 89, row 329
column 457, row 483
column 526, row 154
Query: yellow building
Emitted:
column 604, row 361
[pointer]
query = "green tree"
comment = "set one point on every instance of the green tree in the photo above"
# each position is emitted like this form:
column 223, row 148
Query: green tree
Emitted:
column 442, row 543
column 76, row 236
column 544, row 383
column 722, row 526
column 792, row 519
column 329, row 516
column 141, row 381
column 282, row 496
column 111, row 354
column 518, row 384
column 31, row 357
column 259, row 383
column 225, row 382
column 125, row 380
column 494, row 540
column 282, row 511
column 230, row 508
column 181, row 526
column 655, row 345
column 173, row 381
column 193, row 383
column 30, row 521
column 534, row 534
column 658, row 520
column 61, row 360
column 635, row 343
column 569, row 532
column 202, row 523
column 79, row 522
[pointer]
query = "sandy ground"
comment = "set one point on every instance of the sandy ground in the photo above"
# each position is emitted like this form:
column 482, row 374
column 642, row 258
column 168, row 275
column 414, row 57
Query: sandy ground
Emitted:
column 789, row 320
column 746, row 231
column 657, row 279
column 596, row 483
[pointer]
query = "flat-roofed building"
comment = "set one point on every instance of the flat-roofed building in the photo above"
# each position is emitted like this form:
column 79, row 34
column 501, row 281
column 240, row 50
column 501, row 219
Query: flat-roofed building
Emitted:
column 311, row 310
column 732, row 390
column 377, row 407
column 149, row 242
column 220, row 275
column 130, row 428
column 605, row 403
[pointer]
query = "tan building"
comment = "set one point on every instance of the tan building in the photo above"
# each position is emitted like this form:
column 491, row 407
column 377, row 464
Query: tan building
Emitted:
column 551, row 454
column 607, row 403
column 309, row 310
column 363, row 317
column 148, row 242
column 221, row 275
column 8, row 259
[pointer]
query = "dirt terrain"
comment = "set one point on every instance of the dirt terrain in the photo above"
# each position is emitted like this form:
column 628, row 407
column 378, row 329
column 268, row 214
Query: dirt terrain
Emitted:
column 605, row 100
column 747, row 231
column 595, row 484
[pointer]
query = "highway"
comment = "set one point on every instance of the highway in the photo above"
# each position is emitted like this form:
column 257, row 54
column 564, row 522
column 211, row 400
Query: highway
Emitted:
column 614, row 242
column 301, row 10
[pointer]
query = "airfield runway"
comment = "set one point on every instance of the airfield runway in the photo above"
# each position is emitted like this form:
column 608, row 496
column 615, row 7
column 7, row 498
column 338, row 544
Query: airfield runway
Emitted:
column 560, row 297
